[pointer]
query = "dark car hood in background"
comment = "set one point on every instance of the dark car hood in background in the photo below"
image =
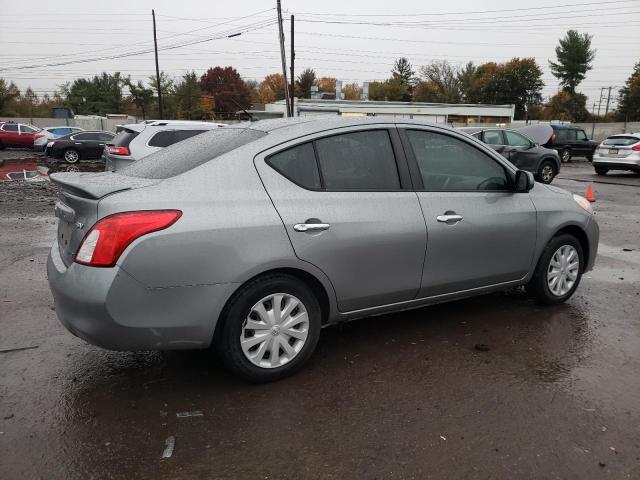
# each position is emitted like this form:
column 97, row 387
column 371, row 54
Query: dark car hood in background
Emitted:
column 539, row 133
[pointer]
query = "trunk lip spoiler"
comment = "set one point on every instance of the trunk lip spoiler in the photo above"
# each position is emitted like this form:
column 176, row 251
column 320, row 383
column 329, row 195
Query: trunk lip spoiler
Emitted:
column 98, row 185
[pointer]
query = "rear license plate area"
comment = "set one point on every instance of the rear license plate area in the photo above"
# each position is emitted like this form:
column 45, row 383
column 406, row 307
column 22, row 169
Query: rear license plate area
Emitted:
column 613, row 151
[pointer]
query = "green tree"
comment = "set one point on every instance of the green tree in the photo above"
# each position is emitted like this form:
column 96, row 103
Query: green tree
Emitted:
column 169, row 102
column 99, row 95
column 403, row 71
column 8, row 94
column 391, row 90
column 629, row 100
column 141, row 96
column 304, row 83
column 574, row 55
column 466, row 82
column 189, row 97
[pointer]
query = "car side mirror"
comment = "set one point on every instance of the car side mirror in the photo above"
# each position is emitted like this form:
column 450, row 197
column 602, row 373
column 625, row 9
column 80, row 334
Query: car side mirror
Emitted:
column 524, row 181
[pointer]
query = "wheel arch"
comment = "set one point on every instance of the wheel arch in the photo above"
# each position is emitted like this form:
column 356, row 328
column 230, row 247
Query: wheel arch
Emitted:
column 580, row 235
column 318, row 288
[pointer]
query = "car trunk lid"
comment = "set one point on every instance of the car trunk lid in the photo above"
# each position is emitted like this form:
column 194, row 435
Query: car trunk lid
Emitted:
column 77, row 206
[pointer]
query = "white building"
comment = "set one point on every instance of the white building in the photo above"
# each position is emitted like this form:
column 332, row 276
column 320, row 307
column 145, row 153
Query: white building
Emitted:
column 433, row 112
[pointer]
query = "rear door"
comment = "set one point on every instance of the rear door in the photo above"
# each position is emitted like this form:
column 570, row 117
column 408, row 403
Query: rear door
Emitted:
column 480, row 233
column 346, row 202
column 26, row 135
column 11, row 135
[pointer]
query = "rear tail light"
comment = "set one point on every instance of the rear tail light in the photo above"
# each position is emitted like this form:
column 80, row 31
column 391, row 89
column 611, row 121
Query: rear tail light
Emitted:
column 107, row 239
column 636, row 147
column 553, row 137
column 114, row 150
column 38, row 135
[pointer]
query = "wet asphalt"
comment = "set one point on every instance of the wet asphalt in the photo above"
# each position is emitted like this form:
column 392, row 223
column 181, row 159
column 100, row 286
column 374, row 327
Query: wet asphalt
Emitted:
column 495, row 387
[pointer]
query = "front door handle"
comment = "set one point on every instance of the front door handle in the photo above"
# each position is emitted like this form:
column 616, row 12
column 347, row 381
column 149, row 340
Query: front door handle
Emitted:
column 449, row 219
column 310, row 227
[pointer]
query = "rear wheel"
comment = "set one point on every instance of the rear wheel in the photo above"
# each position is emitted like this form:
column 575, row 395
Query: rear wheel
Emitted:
column 590, row 158
column 601, row 170
column 271, row 328
column 2, row 147
column 71, row 155
column 558, row 272
column 565, row 155
column 546, row 172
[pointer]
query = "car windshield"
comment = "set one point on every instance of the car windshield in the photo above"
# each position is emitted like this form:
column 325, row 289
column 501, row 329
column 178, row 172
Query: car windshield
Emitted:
column 186, row 155
column 621, row 141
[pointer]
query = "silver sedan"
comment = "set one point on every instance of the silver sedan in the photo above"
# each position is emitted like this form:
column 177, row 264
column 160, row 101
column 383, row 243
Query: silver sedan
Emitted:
column 249, row 239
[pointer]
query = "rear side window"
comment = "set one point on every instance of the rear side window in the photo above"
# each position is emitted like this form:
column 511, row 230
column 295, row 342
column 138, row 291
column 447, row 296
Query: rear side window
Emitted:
column 169, row 137
column 123, row 137
column 10, row 127
column 621, row 141
column 184, row 156
column 298, row 164
column 358, row 161
column 105, row 137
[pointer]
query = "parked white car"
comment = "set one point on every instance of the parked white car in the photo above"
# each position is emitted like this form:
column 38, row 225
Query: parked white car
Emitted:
column 45, row 135
column 618, row 152
column 137, row 140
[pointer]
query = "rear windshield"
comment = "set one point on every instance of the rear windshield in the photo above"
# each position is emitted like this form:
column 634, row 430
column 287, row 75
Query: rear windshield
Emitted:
column 184, row 156
column 622, row 141
column 123, row 137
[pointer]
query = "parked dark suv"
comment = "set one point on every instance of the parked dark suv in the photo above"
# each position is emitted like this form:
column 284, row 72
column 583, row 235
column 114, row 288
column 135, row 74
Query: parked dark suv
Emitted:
column 520, row 150
column 571, row 142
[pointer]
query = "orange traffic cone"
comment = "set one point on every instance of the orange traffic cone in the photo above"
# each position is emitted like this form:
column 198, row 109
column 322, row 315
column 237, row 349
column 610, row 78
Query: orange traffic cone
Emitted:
column 589, row 195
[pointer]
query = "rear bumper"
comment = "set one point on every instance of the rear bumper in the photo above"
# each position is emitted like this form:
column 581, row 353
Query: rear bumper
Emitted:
column 617, row 163
column 109, row 308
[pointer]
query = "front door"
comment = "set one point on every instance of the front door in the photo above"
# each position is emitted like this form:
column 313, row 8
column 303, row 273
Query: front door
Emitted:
column 348, row 208
column 26, row 135
column 524, row 155
column 479, row 232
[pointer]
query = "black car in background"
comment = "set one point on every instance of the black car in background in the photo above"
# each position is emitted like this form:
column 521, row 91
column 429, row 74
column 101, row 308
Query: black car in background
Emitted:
column 569, row 141
column 525, row 154
column 87, row 145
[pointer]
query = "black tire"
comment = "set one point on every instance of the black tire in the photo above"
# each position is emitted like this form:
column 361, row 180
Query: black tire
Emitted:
column 2, row 147
column 601, row 170
column 227, row 341
column 538, row 287
column 565, row 155
column 71, row 155
column 590, row 158
column 543, row 172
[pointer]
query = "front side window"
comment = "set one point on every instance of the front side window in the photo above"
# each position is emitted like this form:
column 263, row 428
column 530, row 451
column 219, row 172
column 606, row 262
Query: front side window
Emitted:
column 298, row 164
column 61, row 131
column 516, row 140
column 449, row 164
column 358, row 161
column 493, row 137
column 581, row 135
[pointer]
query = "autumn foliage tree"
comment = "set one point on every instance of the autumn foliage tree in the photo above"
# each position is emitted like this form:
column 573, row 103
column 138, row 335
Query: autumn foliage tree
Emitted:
column 352, row 91
column 230, row 93
column 327, row 84
column 271, row 88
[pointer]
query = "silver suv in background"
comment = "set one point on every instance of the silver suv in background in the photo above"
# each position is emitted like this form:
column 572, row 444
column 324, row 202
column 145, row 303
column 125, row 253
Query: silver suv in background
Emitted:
column 618, row 152
column 137, row 140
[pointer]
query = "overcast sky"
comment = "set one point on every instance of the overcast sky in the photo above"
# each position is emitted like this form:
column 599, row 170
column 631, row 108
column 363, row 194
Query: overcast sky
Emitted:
column 351, row 40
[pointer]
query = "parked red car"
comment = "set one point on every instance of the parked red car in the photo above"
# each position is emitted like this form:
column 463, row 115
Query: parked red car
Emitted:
column 17, row 135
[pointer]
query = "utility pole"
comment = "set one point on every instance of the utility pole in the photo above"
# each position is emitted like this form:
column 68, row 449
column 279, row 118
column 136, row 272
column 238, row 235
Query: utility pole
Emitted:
column 600, row 102
column 593, row 117
column 293, row 78
column 284, row 60
column 155, row 43
column 606, row 111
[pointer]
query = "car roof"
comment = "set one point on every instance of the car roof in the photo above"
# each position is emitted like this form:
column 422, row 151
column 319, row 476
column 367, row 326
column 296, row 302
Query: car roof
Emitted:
column 139, row 127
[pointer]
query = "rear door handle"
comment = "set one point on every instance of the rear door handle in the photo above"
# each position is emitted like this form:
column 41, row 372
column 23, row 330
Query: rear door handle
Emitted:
column 448, row 218
column 311, row 227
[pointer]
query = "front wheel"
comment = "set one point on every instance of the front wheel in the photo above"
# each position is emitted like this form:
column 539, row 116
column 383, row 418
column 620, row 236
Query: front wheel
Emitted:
column 601, row 170
column 71, row 155
column 271, row 328
column 558, row 272
column 546, row 172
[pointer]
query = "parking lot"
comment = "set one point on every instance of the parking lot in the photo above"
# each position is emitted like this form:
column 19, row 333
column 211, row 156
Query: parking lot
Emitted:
column 492, row 387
